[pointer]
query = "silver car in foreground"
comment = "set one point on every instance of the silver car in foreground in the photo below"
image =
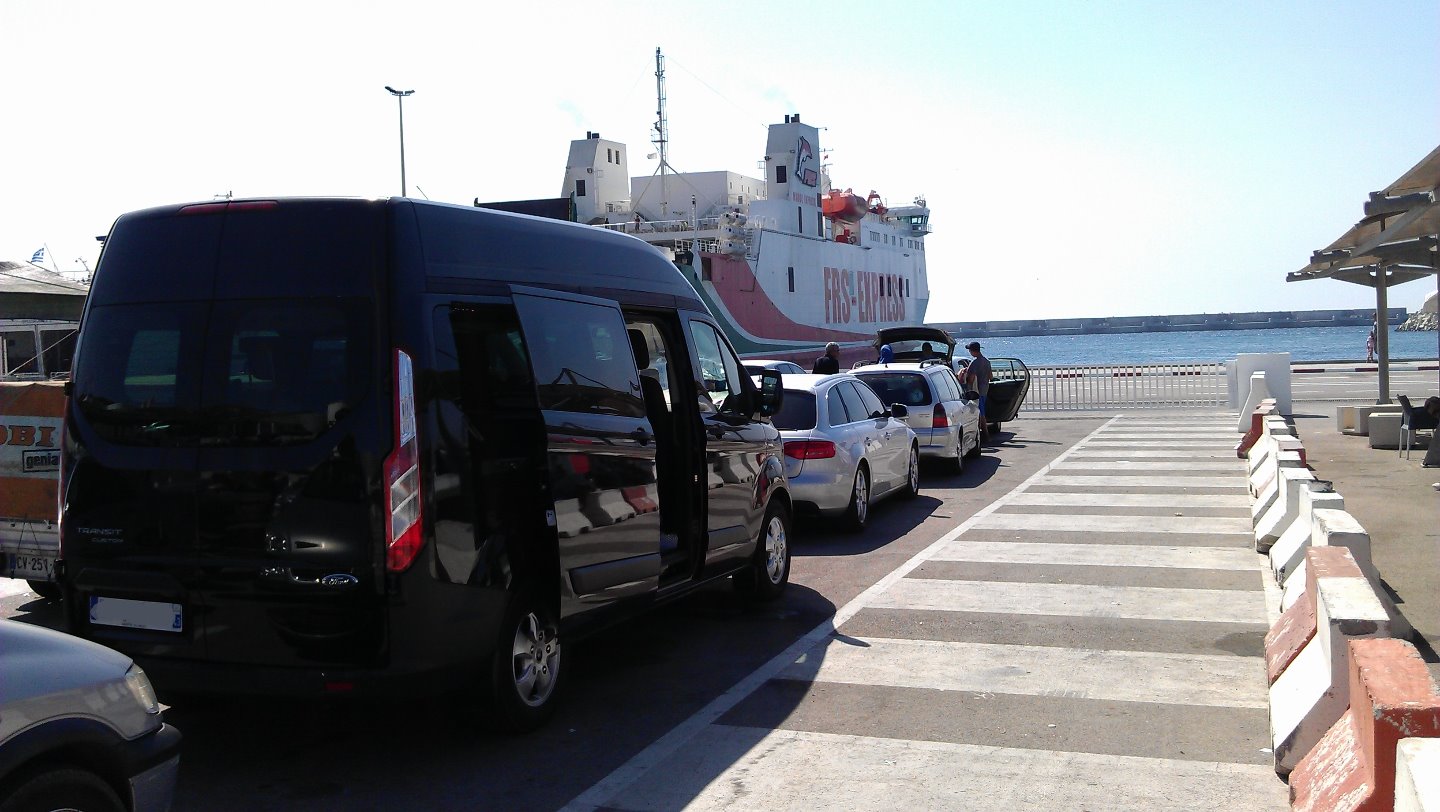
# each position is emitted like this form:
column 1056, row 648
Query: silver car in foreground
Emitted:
column 844, row 449
column 945, row 419
column 80, row 727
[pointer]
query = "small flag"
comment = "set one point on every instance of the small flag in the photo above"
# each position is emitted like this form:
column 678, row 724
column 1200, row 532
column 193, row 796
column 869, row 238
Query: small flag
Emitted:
column 38, row 258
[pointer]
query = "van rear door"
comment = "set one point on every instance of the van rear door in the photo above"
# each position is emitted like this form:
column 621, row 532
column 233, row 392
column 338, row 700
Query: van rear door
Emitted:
column 229, row 418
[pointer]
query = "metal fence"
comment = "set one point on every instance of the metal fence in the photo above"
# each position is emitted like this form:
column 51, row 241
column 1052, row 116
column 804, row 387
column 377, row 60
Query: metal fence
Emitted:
column 1140, row 386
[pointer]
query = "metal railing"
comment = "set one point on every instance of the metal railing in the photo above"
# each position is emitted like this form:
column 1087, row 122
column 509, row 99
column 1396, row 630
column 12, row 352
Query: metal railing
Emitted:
column 1138, row 386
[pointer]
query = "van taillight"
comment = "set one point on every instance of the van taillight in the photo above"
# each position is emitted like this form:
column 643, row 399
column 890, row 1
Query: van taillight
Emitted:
column 63, row 481
column 940, row 420
column 402, row 474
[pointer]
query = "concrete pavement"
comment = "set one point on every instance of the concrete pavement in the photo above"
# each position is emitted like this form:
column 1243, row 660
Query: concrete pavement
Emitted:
column 1091, row 640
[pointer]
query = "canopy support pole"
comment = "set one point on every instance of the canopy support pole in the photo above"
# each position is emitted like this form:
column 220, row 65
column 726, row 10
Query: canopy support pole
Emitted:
column 1382, row 332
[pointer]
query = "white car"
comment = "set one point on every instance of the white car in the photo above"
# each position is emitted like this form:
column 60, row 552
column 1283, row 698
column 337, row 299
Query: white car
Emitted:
column 843, row 448
column 753, row 366
column 80, row 727
column 946, row 421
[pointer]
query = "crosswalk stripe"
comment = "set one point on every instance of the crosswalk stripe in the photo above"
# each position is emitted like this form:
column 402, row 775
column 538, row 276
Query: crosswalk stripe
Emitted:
column 1178, row 464
column 1098, row 555
column 1176, row 444
column 743, row 767
column 1213, row 525
column 1099, row 499
column 1126, row 676
column 1144, row 603
column 1236, row 482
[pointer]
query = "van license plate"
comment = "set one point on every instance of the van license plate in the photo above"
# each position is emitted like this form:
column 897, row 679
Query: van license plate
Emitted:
column 152, row 615
column 29, row 567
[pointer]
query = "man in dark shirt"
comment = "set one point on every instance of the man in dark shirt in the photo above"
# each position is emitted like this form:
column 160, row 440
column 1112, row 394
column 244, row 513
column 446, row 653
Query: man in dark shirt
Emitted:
column 977, row 377
column 829, row 363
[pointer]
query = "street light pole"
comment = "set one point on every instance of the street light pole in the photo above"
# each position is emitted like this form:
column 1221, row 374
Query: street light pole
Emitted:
column 400, row 99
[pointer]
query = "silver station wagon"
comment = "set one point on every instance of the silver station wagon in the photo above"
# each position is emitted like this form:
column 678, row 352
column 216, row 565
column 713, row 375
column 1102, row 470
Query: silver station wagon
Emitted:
column 843, row 448
column 945, row 419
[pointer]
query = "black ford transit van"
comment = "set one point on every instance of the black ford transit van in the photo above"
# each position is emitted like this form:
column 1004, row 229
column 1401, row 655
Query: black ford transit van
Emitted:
column 326, row 445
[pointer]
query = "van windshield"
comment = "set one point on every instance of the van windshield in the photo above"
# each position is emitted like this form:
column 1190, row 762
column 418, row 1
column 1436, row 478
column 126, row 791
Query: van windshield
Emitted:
column 241, row 372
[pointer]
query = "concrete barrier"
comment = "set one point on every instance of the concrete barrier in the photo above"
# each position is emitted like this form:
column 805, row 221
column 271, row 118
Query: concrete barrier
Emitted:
column 642, row 498
column 1337, row 528
column 1363, row 413
column 1286, row 508
column 1345, row 419
column 1296, row 626
column 1289, row 550
column 1312, row 693
column 1417, row 775
column 1353, row 767
column 1256, row 391
column 1276, row 368
column 607, row 507
column 1257, row 426
column 569, row 521
column 1266, row 484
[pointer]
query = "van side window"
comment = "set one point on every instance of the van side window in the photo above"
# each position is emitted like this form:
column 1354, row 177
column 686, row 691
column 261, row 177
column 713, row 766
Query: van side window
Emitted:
column 719, row 371
column 581, row 357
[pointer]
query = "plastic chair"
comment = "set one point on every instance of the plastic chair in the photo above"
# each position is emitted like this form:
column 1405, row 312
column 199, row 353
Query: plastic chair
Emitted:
column 1413, row 420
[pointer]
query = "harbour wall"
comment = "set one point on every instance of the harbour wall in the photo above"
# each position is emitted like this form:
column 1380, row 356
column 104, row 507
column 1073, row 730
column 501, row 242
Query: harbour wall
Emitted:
column 1268, row 320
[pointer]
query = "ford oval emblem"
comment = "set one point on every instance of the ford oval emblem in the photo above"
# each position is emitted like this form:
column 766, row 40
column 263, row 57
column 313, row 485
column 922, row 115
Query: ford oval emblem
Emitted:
column 339, row 579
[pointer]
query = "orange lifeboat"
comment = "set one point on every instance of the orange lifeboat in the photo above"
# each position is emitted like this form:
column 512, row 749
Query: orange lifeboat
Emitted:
column 846, row 206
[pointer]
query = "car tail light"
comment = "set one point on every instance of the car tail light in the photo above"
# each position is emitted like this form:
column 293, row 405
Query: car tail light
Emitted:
column 402, row 474
column 940, row 420
column 809, row 449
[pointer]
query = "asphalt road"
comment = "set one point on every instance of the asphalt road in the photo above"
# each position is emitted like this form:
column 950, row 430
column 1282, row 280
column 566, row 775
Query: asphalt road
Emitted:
column 626, row 688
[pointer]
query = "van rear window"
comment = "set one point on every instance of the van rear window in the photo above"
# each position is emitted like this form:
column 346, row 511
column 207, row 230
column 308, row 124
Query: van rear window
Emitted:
column 230, row 373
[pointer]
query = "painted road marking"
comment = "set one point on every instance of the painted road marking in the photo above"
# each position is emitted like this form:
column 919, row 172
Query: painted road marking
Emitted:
column 1106, row 499
column 1236, row 482
column 1098, row 555
column 1210, row 525
column 1078, row 600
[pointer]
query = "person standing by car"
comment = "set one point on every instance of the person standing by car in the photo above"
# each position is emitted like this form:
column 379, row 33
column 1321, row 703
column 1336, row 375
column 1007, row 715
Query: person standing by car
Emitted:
column 829, row 363
column 977, row 377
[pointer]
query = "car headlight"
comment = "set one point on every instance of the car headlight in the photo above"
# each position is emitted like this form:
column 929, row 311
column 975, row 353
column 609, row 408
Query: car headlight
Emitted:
column 140, row 688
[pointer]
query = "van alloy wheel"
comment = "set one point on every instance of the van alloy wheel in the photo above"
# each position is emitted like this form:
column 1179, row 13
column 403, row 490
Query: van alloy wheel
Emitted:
column 535, row 660
column 777, row 550
column 769, row 569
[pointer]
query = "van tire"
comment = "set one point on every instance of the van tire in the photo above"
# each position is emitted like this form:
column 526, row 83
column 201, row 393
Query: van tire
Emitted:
column 49, row 590
column 769, row 570
column 526, row 666
column 63, row 788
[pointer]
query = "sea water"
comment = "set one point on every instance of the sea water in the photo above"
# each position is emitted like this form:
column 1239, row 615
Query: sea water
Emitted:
column 1303, row 344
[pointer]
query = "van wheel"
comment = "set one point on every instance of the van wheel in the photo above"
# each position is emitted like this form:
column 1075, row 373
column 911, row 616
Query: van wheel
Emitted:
column 64, row 788
column 912, row 475
column 994, row 428
column 525, row 669
column 859, row 510
column 769, row 569
column 49, row 590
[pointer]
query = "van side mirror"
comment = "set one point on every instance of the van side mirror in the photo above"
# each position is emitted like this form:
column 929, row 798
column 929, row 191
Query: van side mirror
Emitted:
column 771, row 392
column 899, row 410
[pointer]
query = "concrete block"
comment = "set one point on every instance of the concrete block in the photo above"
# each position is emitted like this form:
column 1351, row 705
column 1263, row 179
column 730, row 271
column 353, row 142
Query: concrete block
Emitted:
column 1289, row 636
column 1286, row 508
column 1337, row 528
column 1353, row 767
column 1313, row 692
column 1363, row 413
column 1276, row 368
column 1417, row 775
column 569, row 521
column 1385, row 430
column 1289, row 550
column 607, row 507
column 1266, row 486
column 641, row 498
column 1345, row 419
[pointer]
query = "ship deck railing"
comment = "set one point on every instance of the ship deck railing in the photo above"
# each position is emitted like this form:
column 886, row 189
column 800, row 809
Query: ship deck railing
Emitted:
column 1182, row 384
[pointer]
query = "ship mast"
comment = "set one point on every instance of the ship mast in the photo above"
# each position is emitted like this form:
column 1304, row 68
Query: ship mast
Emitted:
column 662, row 130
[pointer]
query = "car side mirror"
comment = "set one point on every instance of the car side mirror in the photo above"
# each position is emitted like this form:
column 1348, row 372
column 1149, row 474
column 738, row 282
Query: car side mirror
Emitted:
column 972, row 395
column 899, row 410
column 772, row 394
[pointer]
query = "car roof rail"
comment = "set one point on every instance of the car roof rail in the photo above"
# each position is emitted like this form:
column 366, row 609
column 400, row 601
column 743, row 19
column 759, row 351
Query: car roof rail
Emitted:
column 930, row 362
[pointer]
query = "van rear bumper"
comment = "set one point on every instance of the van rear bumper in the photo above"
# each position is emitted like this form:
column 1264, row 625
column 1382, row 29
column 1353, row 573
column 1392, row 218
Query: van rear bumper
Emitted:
column 199, row 678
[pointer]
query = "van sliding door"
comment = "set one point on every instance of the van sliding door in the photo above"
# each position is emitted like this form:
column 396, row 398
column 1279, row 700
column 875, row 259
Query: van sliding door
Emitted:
column 600, row 446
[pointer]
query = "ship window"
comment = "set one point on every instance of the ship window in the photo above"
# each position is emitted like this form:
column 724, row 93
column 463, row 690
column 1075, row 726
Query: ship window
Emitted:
column 780, row 173
column 791, row 274
column 799, row 220
column 705, row 269
column 580, row 188
column 819, row 224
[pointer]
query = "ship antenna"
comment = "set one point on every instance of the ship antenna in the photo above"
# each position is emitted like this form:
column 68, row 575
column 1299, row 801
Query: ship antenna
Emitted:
column 662, row 128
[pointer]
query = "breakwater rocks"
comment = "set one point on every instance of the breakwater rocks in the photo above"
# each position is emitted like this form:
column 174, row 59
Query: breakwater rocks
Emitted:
column 1419, row 323
column 1170, row 324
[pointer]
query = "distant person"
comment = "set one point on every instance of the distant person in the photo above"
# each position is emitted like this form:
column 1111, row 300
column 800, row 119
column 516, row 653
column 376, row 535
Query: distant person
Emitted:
column 926, row 351
column 1432, row 406
column 829, row 363
column 1370, row 346
column 886, row 354
column 977, row 378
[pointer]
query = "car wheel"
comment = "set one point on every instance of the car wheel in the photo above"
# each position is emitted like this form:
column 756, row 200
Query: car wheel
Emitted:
column 957, row 463
column 974, row 452
column 49, row 590
column 64, row 788
column 994, row 428
column 525, row 668
column 912, row 474
column 769, row 569
column 859, row 510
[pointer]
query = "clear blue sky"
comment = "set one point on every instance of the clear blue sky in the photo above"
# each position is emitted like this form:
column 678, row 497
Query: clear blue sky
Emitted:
column 1080, row 158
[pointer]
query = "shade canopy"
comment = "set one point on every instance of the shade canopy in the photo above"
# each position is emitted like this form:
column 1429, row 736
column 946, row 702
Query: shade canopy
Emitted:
column 31, row 292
